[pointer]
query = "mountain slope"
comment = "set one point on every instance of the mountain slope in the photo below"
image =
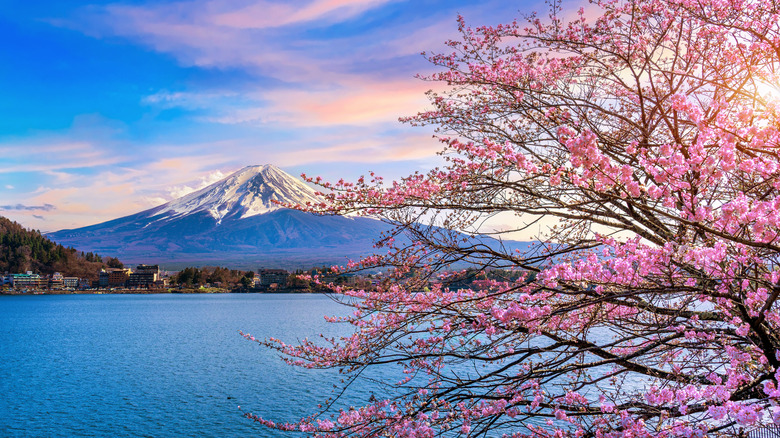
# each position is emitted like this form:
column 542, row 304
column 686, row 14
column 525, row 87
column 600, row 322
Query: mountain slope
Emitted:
column 233, row 221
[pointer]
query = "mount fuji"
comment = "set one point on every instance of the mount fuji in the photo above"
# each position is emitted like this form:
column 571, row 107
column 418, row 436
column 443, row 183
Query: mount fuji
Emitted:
column 233, row 222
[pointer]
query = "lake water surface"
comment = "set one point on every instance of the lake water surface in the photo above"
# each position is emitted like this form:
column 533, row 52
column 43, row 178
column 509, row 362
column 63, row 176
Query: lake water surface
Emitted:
column 155, row 365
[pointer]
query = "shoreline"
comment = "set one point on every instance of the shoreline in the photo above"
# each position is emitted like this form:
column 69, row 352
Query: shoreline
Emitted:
column 173, row 291
column 108, row 291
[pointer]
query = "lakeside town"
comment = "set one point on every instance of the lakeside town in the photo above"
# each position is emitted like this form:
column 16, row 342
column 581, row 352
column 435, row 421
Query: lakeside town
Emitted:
column 152, row 279
column 146, row 279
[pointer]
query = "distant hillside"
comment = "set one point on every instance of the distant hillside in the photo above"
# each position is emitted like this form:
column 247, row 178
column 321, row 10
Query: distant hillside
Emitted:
column 24, row 250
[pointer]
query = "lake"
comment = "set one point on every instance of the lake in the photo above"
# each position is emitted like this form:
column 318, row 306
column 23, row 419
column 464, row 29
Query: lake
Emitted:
column 156, row 365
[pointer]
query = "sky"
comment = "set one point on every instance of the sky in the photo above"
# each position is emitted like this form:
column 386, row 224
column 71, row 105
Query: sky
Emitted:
column 110, row 108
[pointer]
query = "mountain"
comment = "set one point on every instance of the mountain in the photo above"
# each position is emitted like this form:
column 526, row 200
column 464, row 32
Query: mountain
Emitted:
column 248, row 192
column 233, row 221
column 23, row 250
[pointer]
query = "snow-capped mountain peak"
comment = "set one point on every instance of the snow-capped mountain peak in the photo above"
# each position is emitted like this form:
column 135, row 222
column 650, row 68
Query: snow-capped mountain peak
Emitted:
column 233, row 222
column 248, row 192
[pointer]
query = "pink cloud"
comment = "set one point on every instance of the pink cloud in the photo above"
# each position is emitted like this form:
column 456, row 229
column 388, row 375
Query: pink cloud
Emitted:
column 263, row 14
column 360, row 104
column 323, row 89
column 362, row 150
column 53, row 154
column 380, row 103
column 250, row 35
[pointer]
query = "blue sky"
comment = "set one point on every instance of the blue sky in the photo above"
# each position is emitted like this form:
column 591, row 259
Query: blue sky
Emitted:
column 111, row 108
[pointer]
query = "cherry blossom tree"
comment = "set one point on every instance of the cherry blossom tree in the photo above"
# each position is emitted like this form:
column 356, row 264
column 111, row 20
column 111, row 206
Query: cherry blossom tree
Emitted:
column 643, row 145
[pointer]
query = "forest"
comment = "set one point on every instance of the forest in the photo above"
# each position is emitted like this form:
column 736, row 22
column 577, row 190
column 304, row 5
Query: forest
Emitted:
column 23, row 250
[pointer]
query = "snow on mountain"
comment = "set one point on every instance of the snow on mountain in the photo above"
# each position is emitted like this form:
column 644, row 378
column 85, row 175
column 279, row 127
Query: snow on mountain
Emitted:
column 234, row 221
column 248, row 192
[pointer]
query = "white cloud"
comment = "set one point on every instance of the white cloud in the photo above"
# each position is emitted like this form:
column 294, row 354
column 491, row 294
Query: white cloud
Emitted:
column 205, row 181
column 154, row 201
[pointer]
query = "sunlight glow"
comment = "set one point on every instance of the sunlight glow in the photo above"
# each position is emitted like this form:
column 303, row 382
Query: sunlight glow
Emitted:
column 768, row 91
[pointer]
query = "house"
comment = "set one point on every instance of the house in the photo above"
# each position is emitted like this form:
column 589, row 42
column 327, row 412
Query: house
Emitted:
column 56, row 281
column 26, row 281
column 144, row 276
column 267, row 277
column 113, row 277
column 70, row 282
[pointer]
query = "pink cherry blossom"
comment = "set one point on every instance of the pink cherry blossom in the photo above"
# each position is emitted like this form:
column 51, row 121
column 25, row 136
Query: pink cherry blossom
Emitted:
column 638, row 143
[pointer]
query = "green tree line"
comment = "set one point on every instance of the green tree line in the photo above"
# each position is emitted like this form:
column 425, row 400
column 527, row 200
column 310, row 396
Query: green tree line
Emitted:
column 214, row 275
column 24, row 250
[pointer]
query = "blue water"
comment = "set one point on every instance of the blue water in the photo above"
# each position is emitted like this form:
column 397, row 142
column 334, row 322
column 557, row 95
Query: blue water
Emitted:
column 155, row 365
